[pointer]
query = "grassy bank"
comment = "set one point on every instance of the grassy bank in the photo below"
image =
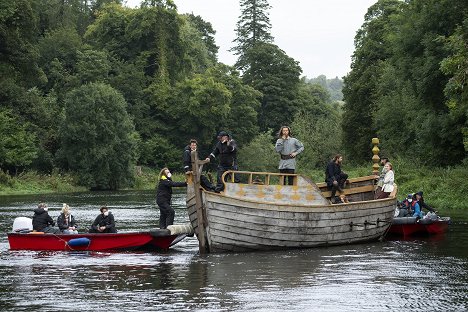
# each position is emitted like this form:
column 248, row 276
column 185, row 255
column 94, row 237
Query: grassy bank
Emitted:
column 443, row 187
column 34, row 183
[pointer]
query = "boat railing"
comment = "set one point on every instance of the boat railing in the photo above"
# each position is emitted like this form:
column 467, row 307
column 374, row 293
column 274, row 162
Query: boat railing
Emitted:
column 259, row 178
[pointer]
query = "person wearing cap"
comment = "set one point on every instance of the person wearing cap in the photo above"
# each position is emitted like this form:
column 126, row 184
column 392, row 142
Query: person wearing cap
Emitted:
column 410, row 207
column 226, row 150
column 66, row 221
column 104, row 222
column 41, row 220
column 164, row 196
column 288, row 148
column 422, row 204
column 381, row 177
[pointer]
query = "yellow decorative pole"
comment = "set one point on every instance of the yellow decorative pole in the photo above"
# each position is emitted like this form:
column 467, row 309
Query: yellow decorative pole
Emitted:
column 375, row 158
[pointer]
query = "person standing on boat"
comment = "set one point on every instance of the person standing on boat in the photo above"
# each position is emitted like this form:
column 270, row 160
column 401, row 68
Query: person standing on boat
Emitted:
column 226, row 150
column 388, row 181
column 335, row 177
column 66, row 221
column 188, row 155
column 288, row 148
column 104, row 223
column 164, row 196
column 41, row 220
column 381, row 177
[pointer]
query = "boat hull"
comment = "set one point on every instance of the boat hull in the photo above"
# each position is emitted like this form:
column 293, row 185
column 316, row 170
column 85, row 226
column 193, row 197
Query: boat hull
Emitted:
column 407, row 226
column 150, row 240
column 243, row 225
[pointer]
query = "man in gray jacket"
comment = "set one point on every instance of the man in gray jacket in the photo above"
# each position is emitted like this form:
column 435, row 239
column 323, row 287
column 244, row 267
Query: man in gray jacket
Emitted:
column 288, row 148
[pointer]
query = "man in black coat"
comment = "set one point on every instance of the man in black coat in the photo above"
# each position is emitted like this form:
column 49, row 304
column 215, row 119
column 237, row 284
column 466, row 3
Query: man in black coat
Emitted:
column 104, row 223
column 226, row 151
column 335, row 177
column 41, row 220
column 188, row 155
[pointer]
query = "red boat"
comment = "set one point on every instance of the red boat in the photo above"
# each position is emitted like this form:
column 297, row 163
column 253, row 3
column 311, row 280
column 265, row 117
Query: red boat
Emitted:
column 407, row 226
column 151, row 240
column 23, row 238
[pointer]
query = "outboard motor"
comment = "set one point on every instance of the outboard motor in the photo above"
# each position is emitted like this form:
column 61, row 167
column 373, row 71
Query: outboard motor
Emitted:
column 22, row 225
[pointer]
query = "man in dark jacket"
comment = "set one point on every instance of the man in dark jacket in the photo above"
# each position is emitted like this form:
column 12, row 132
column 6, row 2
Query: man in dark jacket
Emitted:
column 188, row 155
column 41, row 220
column 164, row 196
column 104, row 223
column 334, row 177
column 226, row 151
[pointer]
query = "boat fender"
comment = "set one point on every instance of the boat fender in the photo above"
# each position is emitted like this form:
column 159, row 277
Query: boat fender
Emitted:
column 181, row 229
column 160, row 232
column 79, row 242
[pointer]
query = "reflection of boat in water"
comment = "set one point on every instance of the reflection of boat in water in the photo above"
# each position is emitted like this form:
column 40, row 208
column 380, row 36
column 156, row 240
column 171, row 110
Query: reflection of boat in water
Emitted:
column 149, row 240
column 407, row 226
column 256, row 212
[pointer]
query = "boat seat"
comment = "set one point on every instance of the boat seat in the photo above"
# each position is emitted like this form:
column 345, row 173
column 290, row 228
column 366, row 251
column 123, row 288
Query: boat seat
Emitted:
column 350, row 191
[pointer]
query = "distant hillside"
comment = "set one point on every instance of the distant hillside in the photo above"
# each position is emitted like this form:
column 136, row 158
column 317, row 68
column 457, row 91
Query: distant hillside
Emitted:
column 334, row 86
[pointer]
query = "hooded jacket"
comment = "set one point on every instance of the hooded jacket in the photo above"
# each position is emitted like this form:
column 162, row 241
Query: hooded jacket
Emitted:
column 41, row 219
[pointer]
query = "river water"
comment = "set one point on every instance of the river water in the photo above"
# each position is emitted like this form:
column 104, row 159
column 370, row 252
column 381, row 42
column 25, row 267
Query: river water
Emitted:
column 423, row 274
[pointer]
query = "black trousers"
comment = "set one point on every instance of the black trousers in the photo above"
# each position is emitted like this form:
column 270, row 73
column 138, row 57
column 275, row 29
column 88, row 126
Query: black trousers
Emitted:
column 290, row 178
column 341, row 179
column 166, row 214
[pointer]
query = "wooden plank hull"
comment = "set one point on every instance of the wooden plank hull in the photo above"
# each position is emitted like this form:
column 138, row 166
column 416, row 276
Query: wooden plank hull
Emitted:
column 234, row 224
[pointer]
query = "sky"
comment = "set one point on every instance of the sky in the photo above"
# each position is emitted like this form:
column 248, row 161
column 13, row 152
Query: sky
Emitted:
column 319, row 34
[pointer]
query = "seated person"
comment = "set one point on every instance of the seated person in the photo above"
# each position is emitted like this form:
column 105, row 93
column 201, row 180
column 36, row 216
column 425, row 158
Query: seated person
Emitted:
column 104, row 222
column 66, row 221
column 419, row 197
column 41, row 220
column 407, row 206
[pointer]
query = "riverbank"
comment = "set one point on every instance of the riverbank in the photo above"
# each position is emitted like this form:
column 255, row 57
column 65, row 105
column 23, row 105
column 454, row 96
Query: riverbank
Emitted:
column 443, row 187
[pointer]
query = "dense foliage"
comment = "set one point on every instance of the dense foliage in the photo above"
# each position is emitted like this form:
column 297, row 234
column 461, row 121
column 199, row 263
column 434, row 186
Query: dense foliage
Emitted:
column 407, row 82
column 94, row 88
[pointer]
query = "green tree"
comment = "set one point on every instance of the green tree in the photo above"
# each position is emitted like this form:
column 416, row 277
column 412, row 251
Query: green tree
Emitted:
column 456, row 66
column 98, row 138
column 17, row 144
column 372, row 48
column 276, row 75
column 253, row 27
column 413, row 73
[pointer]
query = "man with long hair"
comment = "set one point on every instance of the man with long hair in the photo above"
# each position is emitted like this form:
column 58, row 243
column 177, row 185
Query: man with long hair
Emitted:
column 335, row 177
column 288, row 148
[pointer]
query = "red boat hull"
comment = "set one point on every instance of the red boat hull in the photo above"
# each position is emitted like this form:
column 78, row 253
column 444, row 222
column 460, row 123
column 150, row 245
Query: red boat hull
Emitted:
column 419, row 228
column 97, row 242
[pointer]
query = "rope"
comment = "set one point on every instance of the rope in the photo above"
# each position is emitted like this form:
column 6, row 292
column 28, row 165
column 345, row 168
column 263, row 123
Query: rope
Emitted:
column 66, row 243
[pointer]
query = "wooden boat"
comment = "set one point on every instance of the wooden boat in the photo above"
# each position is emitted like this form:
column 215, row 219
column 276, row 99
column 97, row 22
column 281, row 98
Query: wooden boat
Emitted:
column 408, row 226
column 257, row 212
column 150, row 240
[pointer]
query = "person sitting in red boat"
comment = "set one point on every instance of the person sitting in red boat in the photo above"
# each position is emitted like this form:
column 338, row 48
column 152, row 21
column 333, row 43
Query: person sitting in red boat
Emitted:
column 104, row 222
column 419, row 197
column 41, row 220
column 66, row 221
column 407, row 206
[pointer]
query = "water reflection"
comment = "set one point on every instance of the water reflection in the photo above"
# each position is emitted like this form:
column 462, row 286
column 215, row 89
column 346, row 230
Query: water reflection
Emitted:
column 427, row 274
